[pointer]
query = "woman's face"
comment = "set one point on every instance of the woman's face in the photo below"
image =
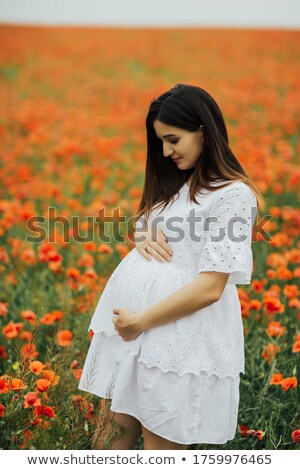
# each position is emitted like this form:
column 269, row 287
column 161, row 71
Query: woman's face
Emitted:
column 178, row 143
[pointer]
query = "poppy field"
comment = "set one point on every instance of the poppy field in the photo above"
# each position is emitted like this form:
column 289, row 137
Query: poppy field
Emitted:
column 73, row 149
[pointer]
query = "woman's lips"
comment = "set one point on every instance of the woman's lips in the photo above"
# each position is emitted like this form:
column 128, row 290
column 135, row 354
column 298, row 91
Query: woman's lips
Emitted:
column 176, row 159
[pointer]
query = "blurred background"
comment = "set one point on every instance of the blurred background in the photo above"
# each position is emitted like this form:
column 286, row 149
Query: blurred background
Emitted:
column 76, row 81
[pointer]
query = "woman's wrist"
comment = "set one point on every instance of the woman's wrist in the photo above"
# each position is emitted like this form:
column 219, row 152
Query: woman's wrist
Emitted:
column 142, row 323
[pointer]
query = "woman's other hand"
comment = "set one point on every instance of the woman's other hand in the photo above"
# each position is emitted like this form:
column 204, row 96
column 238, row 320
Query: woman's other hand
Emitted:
column 126, row 323
column 158, row 247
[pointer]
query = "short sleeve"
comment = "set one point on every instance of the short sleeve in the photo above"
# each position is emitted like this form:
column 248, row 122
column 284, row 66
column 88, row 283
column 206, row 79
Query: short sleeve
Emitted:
column 228, row 233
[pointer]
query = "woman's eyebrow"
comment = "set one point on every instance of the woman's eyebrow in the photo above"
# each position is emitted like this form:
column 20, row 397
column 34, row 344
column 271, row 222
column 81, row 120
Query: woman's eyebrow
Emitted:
column 169, row 135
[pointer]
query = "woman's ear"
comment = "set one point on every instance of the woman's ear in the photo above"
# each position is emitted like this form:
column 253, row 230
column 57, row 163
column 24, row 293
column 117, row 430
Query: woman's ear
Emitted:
column 201, row 128
column 201, row 131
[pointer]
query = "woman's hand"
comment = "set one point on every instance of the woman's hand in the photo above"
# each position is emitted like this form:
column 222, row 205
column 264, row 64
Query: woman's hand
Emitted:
column 158, row 247
column 126, row 323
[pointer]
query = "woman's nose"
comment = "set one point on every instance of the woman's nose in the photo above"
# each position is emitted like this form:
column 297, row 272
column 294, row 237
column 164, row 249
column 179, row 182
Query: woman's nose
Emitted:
column 167, row 149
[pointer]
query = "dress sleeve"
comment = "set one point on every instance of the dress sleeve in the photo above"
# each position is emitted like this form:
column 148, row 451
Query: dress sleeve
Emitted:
column 228, row 234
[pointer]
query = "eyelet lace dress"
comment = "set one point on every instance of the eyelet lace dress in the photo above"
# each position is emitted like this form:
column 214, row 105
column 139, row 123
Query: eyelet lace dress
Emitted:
column 180, row 380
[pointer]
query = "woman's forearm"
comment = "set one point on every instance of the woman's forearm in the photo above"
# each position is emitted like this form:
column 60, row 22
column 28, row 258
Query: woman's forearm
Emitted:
column 196, row 295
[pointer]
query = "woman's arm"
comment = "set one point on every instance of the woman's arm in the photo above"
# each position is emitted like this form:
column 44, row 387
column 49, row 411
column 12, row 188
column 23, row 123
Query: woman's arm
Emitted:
column 201, row 293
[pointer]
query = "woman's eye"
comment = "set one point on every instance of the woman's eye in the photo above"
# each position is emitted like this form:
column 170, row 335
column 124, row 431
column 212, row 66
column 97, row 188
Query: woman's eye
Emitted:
column 174, row 142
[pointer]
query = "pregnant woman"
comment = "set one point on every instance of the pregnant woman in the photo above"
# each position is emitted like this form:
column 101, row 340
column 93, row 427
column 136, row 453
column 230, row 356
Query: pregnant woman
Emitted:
column 168, row 344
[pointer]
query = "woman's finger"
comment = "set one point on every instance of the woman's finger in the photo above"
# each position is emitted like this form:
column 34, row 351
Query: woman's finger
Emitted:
column 156, row 246
column 142, row 247
column 163, row 241
column 157, row 252
column 144, row 253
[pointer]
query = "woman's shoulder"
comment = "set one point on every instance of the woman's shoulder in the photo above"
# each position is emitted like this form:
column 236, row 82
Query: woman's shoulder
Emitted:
column 219, row 186
column 232, row 186
column 234, row 191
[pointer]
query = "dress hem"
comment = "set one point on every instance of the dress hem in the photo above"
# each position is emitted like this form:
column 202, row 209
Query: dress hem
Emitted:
column 165, row 437
column 123, row 410
column 210, row 374
column 165, row 370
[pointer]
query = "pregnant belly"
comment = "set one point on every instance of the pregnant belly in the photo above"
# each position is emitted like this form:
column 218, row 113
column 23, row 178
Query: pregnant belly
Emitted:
column 137, row 284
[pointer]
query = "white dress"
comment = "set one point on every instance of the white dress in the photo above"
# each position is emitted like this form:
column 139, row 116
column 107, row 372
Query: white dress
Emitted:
column 180, row 380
